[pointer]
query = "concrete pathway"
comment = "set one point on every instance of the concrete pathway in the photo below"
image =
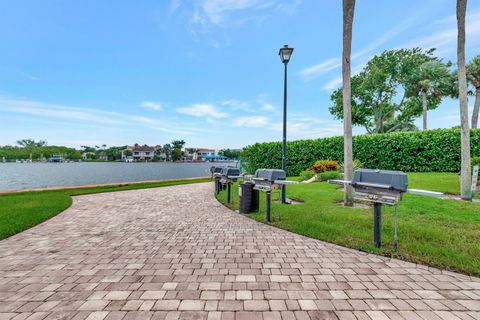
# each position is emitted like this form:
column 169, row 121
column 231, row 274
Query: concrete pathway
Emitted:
column 176, row 253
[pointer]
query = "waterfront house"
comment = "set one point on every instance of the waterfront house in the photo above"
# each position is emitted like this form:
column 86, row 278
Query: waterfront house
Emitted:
column 139, row 153
column 198, row 154
column 88, row 155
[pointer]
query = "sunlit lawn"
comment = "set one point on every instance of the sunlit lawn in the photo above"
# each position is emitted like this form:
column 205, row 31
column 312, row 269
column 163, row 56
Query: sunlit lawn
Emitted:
column 437, row 232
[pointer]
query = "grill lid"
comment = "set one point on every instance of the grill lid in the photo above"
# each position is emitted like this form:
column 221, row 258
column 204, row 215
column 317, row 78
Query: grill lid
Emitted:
column 270, row 174
column 230, row 172
column 384, row 179
column 214, row 169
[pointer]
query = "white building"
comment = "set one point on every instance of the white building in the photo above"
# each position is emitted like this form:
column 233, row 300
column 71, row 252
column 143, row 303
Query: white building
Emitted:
column 198, row 154
column 139, row 153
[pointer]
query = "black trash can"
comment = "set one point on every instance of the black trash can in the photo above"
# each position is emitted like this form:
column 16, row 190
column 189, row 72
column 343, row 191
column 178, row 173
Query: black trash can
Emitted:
column 248, row 198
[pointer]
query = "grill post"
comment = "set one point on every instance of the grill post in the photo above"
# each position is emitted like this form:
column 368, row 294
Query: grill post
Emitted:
column 229, row 189
column 220, row 186
column 377, row 224
column 267, row 200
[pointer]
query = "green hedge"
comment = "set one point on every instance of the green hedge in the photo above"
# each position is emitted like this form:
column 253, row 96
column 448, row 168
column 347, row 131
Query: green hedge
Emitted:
column 418, row 151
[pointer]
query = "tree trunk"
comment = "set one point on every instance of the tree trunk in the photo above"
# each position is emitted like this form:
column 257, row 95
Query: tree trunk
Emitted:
column 348, row 11
column 425, row 109
column 465, row 173
column 476, row 109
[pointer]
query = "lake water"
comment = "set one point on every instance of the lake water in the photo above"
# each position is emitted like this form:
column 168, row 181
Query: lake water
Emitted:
column 16, row 176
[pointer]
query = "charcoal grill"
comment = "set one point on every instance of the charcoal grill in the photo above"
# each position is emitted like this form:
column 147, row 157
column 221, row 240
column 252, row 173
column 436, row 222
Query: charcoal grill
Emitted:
column 216, row 175
column 267, row 180
column 229, row 175
column 382, row 187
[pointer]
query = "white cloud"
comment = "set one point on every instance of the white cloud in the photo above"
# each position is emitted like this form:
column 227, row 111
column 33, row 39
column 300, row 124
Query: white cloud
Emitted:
column 29, row 76
column 261, row 100
column 308, row 129
column 267, row 107
column 333, row 84
column 312, row 72
column 157, row 106
column 253, row 121
column 89, row 116
column 217, row 10
column 227, row 13
column 237, row 105
column 202, row 110
column 318, row 69
column 337, row 81
column 174, row 5
column 444, row 40
column 29, row 107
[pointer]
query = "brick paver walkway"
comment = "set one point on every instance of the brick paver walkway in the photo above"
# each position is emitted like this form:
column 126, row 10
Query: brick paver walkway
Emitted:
column 176, row 253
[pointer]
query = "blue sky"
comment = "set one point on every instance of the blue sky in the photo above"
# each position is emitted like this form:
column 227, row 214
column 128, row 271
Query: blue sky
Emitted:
column 206, row 71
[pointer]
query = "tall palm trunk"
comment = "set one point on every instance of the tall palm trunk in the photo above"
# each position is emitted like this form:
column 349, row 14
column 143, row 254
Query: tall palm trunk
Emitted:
column 425, row 109
column 476, row 108
column 466, row 178
column 348, row 11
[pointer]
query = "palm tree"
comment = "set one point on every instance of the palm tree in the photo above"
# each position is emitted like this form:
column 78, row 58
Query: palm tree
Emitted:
column 473, row 76
column 348, row 11
column 434, row 81
column 462, row 93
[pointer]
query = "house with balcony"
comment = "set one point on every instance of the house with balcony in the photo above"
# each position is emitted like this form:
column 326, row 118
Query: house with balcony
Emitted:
column 139, row 153
column 198, row 154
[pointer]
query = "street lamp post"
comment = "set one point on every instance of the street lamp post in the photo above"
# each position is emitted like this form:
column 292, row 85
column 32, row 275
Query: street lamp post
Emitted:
column 285, row 53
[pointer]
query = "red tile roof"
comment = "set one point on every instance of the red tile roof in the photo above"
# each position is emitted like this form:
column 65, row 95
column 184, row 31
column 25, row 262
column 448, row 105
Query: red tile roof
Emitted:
column 142, row 148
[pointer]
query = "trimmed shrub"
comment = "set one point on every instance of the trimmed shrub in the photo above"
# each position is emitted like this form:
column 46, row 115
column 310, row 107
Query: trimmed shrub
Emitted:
column 475, row 161
column 307, row 174
column 328, row 175
column 419, row 151
column 356, row 165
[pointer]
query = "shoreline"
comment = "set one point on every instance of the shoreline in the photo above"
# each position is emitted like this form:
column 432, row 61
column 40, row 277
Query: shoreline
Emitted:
column 97, row 185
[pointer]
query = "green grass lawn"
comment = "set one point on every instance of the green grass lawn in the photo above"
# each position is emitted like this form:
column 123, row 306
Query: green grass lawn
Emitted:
column 446, row 182
column 437, row 232
column 20, row 211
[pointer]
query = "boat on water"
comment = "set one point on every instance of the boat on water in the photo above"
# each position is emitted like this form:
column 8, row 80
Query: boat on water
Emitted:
column 56, row 159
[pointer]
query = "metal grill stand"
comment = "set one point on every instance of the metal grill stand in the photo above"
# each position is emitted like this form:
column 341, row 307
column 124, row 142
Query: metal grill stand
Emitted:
column 268, row 180
column 229, row 191
column 377, row 224
column 228, row 175
column 382, row 187
column 268, row 196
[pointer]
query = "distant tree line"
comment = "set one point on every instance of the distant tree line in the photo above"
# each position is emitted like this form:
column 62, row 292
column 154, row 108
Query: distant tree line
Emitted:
column 36, row 150
column 40, row 150
column 230, row 153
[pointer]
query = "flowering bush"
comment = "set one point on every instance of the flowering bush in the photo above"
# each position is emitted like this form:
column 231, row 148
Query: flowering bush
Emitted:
column 323, row 166
column 318, row 167
column 331, row 165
